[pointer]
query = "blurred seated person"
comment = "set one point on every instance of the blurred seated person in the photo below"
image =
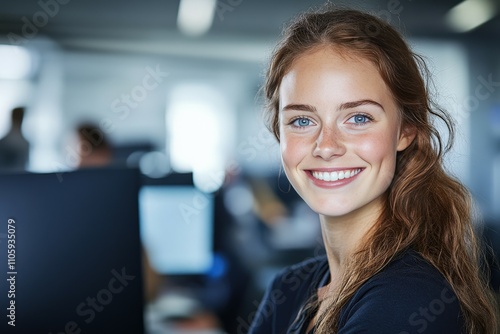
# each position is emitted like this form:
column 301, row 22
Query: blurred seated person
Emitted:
column 94, row 148
column 14, row 148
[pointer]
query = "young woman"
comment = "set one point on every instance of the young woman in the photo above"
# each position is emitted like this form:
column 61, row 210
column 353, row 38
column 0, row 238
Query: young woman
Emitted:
column 349, row 105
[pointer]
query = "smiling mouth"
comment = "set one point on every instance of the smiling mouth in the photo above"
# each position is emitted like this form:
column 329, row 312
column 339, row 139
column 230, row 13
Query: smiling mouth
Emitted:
column 337, row 175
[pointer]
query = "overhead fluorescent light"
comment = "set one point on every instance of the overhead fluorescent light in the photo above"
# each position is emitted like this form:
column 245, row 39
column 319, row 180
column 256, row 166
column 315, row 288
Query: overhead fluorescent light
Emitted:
column 16, row 64
column 470, row 14
column 195, row 17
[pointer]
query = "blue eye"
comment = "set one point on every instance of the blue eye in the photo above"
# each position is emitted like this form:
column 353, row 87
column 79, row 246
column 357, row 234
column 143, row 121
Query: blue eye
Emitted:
column 301, row 122
column 360, row 119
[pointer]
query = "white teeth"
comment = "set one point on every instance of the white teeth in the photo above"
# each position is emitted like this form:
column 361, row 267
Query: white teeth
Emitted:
column 334, row 176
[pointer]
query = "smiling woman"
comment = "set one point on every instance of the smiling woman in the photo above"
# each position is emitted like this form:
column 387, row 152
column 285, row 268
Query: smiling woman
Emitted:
column 326, row 136
column 349, row 106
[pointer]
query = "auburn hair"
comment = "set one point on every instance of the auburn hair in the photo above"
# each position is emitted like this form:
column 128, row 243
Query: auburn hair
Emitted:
column 425, row 208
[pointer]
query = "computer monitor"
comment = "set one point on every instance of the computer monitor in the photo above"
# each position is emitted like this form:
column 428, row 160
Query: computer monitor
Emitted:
column 76, row 255
column 177, row 221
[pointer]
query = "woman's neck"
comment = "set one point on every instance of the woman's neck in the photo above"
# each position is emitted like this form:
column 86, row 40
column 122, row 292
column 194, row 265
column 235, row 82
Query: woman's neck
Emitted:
column 342, row 236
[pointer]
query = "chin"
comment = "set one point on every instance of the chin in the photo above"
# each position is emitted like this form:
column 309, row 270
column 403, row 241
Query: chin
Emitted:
column 330, row 210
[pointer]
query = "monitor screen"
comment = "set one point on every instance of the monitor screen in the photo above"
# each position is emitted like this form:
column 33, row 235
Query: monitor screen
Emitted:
column 177, row 227
column 76, row 255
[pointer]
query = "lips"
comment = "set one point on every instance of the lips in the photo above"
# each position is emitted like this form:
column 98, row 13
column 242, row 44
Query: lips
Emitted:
column 335, row 175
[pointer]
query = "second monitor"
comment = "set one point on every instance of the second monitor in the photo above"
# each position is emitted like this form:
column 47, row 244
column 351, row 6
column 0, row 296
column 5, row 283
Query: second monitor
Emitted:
column 176, row 220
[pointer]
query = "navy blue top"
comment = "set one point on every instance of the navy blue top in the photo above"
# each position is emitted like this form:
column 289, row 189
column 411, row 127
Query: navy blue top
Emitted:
column 408, row 296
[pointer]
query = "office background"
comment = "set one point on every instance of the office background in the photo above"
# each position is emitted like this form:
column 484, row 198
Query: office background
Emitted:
column 174, row 87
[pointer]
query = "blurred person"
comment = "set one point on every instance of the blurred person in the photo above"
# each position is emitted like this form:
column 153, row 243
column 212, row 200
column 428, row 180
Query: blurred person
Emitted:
column 94, row 148
column 14, row 148
column 349, row 106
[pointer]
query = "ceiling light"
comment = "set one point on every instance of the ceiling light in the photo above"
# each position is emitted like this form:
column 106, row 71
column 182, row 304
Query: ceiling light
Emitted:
column 196, row 16
column 470, row 14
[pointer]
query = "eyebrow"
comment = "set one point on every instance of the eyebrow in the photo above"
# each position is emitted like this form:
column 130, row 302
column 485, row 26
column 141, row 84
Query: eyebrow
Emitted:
column 354, row 104
column 343, row 106
column 299, row 107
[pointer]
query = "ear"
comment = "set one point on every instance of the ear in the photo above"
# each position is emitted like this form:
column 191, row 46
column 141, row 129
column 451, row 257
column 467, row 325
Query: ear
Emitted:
column 406, row 137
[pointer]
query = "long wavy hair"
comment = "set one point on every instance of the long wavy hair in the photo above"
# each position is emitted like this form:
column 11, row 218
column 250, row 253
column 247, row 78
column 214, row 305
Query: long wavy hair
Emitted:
column 425, row 208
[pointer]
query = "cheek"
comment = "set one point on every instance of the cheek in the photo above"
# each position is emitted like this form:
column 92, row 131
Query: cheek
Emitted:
column 292, row 151
column 380, row 152
column 287, row 153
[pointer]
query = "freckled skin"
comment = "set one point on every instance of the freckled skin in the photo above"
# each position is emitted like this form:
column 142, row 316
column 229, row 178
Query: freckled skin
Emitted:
column 329, row 135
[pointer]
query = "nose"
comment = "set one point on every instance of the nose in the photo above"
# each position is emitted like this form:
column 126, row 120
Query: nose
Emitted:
column 329, row 144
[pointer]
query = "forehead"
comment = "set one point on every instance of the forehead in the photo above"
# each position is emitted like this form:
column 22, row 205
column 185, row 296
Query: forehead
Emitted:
column 331, row 73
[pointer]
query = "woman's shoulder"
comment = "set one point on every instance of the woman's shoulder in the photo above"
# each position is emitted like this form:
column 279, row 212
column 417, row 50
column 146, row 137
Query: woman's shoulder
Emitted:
column 410, row 267
column 409, row 294
column 414, row 280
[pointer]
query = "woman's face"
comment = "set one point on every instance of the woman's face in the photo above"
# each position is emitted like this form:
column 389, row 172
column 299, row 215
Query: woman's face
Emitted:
column 339, row 132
